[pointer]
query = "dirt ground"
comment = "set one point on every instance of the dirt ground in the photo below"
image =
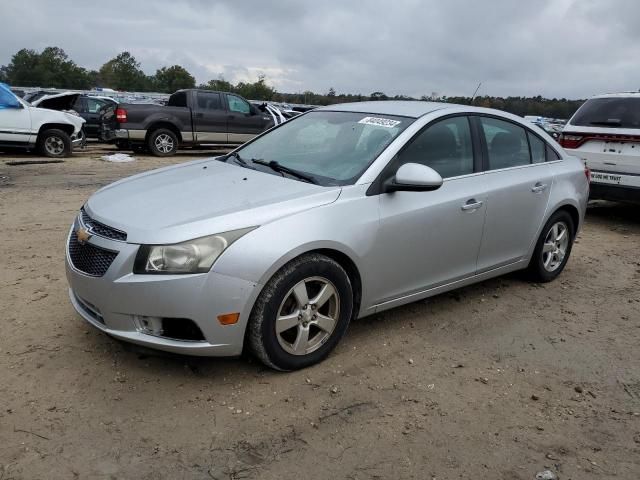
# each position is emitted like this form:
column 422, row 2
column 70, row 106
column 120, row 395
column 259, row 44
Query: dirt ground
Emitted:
column 500, row 380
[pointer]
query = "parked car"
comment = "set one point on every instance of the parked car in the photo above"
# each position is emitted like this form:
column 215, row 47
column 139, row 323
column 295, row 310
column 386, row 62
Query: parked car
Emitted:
column 605, row 134
column 191, row 118
column 21, row 125
column 88, row 107
column 338, row 213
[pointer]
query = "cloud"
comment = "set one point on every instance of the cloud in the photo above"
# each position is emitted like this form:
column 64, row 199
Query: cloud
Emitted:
column 555, row 48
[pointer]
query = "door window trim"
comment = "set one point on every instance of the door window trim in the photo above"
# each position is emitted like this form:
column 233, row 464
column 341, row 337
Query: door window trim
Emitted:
column 376, row 186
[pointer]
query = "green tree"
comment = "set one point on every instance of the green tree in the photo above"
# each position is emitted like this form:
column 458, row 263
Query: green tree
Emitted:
column 123, row 73
column 258, row 90
column 220, row 85
column 22, row 70
column 173, row 78
column 50, row 68
column 378, row 96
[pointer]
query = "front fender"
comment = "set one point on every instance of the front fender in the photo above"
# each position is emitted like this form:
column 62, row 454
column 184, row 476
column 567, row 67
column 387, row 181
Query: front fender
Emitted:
column 348, row 226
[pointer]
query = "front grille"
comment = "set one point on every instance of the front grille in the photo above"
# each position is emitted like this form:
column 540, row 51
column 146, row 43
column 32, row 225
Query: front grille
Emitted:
column 89, row 259
column 101, row 229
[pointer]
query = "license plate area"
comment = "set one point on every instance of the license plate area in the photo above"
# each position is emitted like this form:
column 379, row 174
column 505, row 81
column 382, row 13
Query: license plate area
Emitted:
column 609, row 178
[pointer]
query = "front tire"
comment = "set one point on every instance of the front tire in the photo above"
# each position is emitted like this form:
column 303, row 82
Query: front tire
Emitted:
column 162, row 143
column 302, row 313
column 54, row 143
column 553, row 248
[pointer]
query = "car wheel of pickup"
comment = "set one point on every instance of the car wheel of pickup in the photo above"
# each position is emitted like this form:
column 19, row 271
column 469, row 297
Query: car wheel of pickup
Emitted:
column 54, row 143
column 553, row 248
column 162, row 142
column 301, row 314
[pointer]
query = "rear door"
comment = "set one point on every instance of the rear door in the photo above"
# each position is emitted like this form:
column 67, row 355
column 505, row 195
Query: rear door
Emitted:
column 91, row 112
column 518, row 180
column 209, row 118
column 244, row 122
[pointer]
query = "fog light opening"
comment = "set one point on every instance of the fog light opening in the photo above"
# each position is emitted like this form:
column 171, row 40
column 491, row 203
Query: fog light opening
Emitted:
column 149, row 325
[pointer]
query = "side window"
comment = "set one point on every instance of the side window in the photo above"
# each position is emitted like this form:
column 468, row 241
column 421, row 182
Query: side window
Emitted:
column 209, row 101
column 552, row 154
column 538, row 154
column 236, row 104
column 506, row 142
column 444, row 146
column 93, row 105
column 178, row 99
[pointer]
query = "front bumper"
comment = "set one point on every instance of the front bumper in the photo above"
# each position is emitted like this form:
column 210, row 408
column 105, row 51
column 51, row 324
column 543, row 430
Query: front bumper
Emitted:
column 112, row 303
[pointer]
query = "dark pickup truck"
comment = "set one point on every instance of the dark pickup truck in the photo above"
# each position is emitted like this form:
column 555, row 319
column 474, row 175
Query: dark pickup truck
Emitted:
column 191, row 118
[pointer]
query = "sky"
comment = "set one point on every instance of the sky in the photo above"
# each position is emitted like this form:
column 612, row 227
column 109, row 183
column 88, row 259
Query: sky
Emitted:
column 553, row 48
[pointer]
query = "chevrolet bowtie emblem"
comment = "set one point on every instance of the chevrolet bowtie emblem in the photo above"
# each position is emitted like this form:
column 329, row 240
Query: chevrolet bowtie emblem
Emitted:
column 83, row 235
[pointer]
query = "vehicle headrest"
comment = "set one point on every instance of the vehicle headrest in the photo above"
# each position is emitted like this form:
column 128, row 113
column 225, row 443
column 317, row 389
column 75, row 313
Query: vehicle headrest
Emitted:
column 505, row 144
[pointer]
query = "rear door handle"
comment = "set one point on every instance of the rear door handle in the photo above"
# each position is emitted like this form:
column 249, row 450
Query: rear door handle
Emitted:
column 539, row 187
column 472, row 204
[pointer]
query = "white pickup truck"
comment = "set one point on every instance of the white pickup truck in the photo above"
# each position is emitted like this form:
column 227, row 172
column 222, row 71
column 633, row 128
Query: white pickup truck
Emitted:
column 22, row 125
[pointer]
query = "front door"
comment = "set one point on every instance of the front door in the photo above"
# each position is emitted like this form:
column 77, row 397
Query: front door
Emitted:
column 15, row 119
column 209, row 118
column 244, row 122
column 427, row 239
column 518, row 181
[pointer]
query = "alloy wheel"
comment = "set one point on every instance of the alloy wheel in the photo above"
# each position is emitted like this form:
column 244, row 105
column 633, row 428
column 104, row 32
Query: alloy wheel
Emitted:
column 555, row 246
column 164, row 143
column 307, row 316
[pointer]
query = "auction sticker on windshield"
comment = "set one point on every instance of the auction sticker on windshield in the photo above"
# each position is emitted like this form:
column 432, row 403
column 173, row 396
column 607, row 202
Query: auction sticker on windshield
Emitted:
column 380, row 122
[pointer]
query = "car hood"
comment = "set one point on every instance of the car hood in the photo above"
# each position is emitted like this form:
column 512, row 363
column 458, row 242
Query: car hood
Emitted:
column 204, row 197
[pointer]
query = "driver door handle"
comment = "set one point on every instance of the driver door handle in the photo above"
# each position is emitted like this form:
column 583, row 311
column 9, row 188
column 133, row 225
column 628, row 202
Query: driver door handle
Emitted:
column 539, row 187
column 472, row 204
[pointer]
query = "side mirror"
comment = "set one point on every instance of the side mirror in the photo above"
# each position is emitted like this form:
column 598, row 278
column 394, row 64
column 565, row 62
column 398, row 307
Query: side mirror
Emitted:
column 413, row 177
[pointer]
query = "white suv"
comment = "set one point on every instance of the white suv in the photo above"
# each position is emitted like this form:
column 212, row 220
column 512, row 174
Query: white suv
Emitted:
column 22, row 125
column 605, row 133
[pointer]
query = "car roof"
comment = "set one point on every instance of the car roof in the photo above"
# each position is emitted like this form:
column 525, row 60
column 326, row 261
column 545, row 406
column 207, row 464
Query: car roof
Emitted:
column 619, row 95
column 407, row 108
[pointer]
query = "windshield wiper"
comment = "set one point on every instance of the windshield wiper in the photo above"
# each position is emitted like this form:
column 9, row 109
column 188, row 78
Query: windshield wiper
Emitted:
column 276, row 167
column 239, row 160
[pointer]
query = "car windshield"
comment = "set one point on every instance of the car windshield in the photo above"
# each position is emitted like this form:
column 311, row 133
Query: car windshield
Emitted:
column 333, row 148
column 616, row 112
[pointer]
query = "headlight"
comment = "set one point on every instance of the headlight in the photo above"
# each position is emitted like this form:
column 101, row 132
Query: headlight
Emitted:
column 194, row 256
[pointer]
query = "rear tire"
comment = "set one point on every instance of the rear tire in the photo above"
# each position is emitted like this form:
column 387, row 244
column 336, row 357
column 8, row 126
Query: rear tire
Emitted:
column 162, row 143
column 54, row 143
column 553, row 248
column 301, row 314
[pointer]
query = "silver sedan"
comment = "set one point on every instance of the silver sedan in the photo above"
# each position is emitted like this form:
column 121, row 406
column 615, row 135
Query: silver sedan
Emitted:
column 339, row 213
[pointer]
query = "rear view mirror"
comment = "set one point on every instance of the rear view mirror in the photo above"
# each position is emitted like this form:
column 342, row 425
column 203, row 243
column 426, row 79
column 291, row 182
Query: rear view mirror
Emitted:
column 413, row 177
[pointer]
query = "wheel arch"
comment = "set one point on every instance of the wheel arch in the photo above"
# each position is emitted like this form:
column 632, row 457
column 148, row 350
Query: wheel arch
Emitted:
column 65, row 127
column 573, row 212
column 338, row 253
column 162, row 124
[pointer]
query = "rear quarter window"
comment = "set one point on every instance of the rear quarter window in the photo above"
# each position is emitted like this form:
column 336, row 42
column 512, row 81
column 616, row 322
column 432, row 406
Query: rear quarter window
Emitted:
column 614, row 112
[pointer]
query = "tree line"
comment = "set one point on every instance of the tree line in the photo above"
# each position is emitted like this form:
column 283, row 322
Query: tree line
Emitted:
column 52, row 68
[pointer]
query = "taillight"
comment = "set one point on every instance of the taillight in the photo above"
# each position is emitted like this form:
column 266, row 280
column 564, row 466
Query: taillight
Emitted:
column 121, row 115
column 587, row 173
column 570, row 141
